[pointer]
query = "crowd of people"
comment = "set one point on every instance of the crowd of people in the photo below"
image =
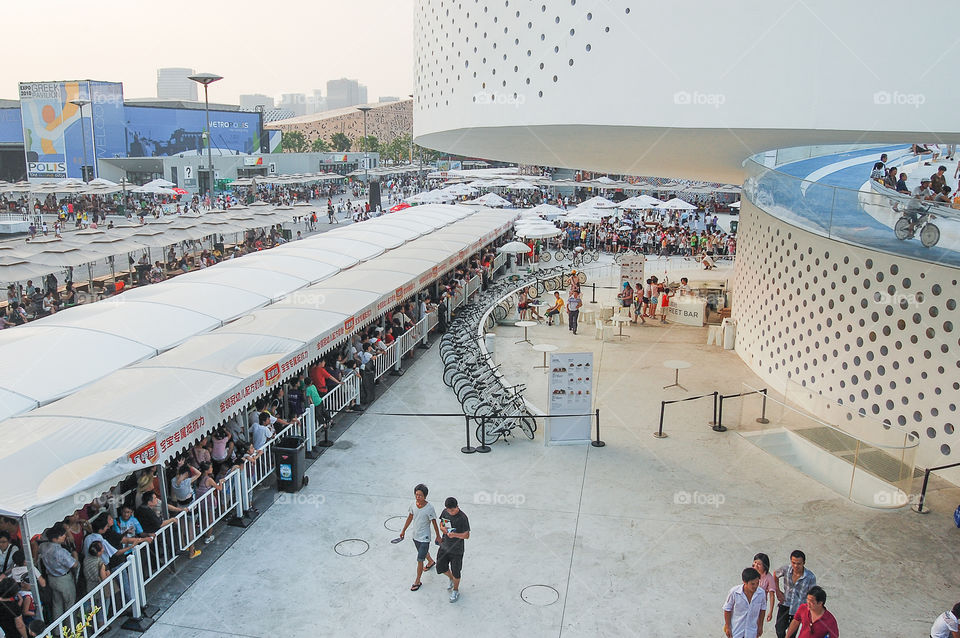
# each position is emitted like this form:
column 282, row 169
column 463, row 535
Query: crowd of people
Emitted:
column 800, row 603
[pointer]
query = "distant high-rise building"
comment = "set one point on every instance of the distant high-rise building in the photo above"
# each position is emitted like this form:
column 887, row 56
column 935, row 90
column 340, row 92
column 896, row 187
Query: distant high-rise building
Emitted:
column 388, row 98
column 343, row 93
column 296, row 102
column 175, row 83
column 319, row 102
column 251, row 101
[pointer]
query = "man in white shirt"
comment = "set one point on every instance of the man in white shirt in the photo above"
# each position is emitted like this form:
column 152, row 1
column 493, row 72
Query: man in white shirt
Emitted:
column 946, row 625
column 744, row 607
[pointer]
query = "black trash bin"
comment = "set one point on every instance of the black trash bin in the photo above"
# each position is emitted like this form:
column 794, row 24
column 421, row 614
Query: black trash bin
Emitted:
column 290, row 455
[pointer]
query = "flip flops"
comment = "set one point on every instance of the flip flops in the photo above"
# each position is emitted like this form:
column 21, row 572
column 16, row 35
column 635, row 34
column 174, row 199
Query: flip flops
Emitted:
column 416, row 586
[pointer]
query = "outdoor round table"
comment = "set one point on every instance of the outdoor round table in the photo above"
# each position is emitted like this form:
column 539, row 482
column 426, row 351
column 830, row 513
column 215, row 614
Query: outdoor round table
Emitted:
column 620, row 320
column 544, row 348
column 677, row 366
column 525, row 325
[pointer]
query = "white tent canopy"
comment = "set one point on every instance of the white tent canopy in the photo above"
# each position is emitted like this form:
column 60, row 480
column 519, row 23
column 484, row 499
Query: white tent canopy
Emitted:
column 491, row 200
column 676, row 204
column 171, row 400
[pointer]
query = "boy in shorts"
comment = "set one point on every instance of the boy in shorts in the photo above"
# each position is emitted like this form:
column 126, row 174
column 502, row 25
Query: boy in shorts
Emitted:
column 421, row 515
column 456, row 529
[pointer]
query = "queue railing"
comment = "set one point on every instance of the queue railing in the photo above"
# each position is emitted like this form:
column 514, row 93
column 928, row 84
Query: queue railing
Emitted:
column 112, row 597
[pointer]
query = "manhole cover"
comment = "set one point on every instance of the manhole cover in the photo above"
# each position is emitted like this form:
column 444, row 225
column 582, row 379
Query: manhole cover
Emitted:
column 351, row 547
column 539, row 595
column 394, row 523
column 343, row 445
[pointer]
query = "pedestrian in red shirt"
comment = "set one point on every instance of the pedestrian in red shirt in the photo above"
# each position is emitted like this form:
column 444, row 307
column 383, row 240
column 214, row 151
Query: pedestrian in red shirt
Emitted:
column 812, row 618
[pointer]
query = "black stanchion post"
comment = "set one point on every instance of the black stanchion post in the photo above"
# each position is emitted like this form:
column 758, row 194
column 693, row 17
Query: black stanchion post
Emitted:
column 659, row 434
column 483, row 448
column 714, row 422
column 468, row 449
column 326, row 442
column 598, row 442
column 718, row 406
column 594, row 293
column 918, row 508
column 763, row 410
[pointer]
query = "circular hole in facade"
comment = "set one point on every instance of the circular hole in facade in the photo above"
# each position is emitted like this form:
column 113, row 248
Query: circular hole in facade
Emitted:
column 352, row 547
column 539, row 595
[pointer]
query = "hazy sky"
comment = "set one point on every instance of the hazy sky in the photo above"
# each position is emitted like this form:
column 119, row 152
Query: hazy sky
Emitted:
column 287, row 46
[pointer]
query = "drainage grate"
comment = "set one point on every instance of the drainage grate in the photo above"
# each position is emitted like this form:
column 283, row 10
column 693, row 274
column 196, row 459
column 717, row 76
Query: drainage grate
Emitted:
column 539, row 595
column 351, row 547
column 394, row 523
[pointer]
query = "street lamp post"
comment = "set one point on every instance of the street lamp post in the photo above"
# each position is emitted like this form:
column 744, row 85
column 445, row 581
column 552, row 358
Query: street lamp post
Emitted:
column 366, row 157
column 206, row 79
column 80, row 103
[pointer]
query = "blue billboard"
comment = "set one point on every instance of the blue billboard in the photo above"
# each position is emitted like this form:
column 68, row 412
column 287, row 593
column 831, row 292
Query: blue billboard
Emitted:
column 158, row 132
column 11, row 128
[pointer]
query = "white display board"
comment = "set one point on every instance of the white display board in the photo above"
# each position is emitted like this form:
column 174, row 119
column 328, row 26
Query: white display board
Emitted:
column 631, row 269
column 570, row 393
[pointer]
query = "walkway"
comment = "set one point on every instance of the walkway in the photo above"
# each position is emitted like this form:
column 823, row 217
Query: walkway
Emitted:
column 610, row 529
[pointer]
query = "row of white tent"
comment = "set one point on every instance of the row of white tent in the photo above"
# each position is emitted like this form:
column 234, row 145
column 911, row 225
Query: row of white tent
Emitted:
column 45, row 254
column 151, row 371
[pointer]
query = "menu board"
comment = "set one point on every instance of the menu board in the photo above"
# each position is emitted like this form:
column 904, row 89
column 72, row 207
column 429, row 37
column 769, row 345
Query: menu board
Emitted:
column 631, row 269
column 571, row 393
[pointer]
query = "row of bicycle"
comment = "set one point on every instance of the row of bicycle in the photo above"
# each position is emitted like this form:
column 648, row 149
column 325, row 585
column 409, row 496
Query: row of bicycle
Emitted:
column 480, row 387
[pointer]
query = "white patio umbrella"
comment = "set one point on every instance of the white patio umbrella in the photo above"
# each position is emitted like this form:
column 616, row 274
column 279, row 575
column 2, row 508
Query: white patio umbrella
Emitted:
column 522, row 185
column 537, row 232
column 735, row 205
column 676, row 204
column 490, row 200
column 598, row 202
column 160, row 183
column 640, row 202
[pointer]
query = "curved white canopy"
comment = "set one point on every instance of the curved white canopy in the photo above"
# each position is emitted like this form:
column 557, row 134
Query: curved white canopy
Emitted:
column 170, row 400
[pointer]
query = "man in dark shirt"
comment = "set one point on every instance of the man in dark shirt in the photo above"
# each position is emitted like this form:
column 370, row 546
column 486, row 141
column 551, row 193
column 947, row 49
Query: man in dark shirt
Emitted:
column 902, row 184
column 147, row 514
column 456, row 528
column 938, row 180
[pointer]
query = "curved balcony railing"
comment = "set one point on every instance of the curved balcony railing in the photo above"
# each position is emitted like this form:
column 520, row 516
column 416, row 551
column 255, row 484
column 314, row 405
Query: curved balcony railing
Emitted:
column 872, row 216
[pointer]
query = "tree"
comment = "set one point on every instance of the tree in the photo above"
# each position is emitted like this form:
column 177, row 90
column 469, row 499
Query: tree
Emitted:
column 370, row 144
column 320, row 145
column 340, row 142
column 294, row 142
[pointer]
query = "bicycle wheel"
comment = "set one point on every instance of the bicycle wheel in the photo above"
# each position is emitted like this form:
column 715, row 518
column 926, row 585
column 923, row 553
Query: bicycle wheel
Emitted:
column 929, row 235
column 902, row 229
column 532, row 290
column 582, row 277
column 565, row 280
column 541, row 288
column 618, row 258
column 491, row 433
column 545, row 257
column 499, row 313
column 528, row 426
column 595, row 253
column 559, row 255
column 470, row 405
column 449, row 374
column 489, row 323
